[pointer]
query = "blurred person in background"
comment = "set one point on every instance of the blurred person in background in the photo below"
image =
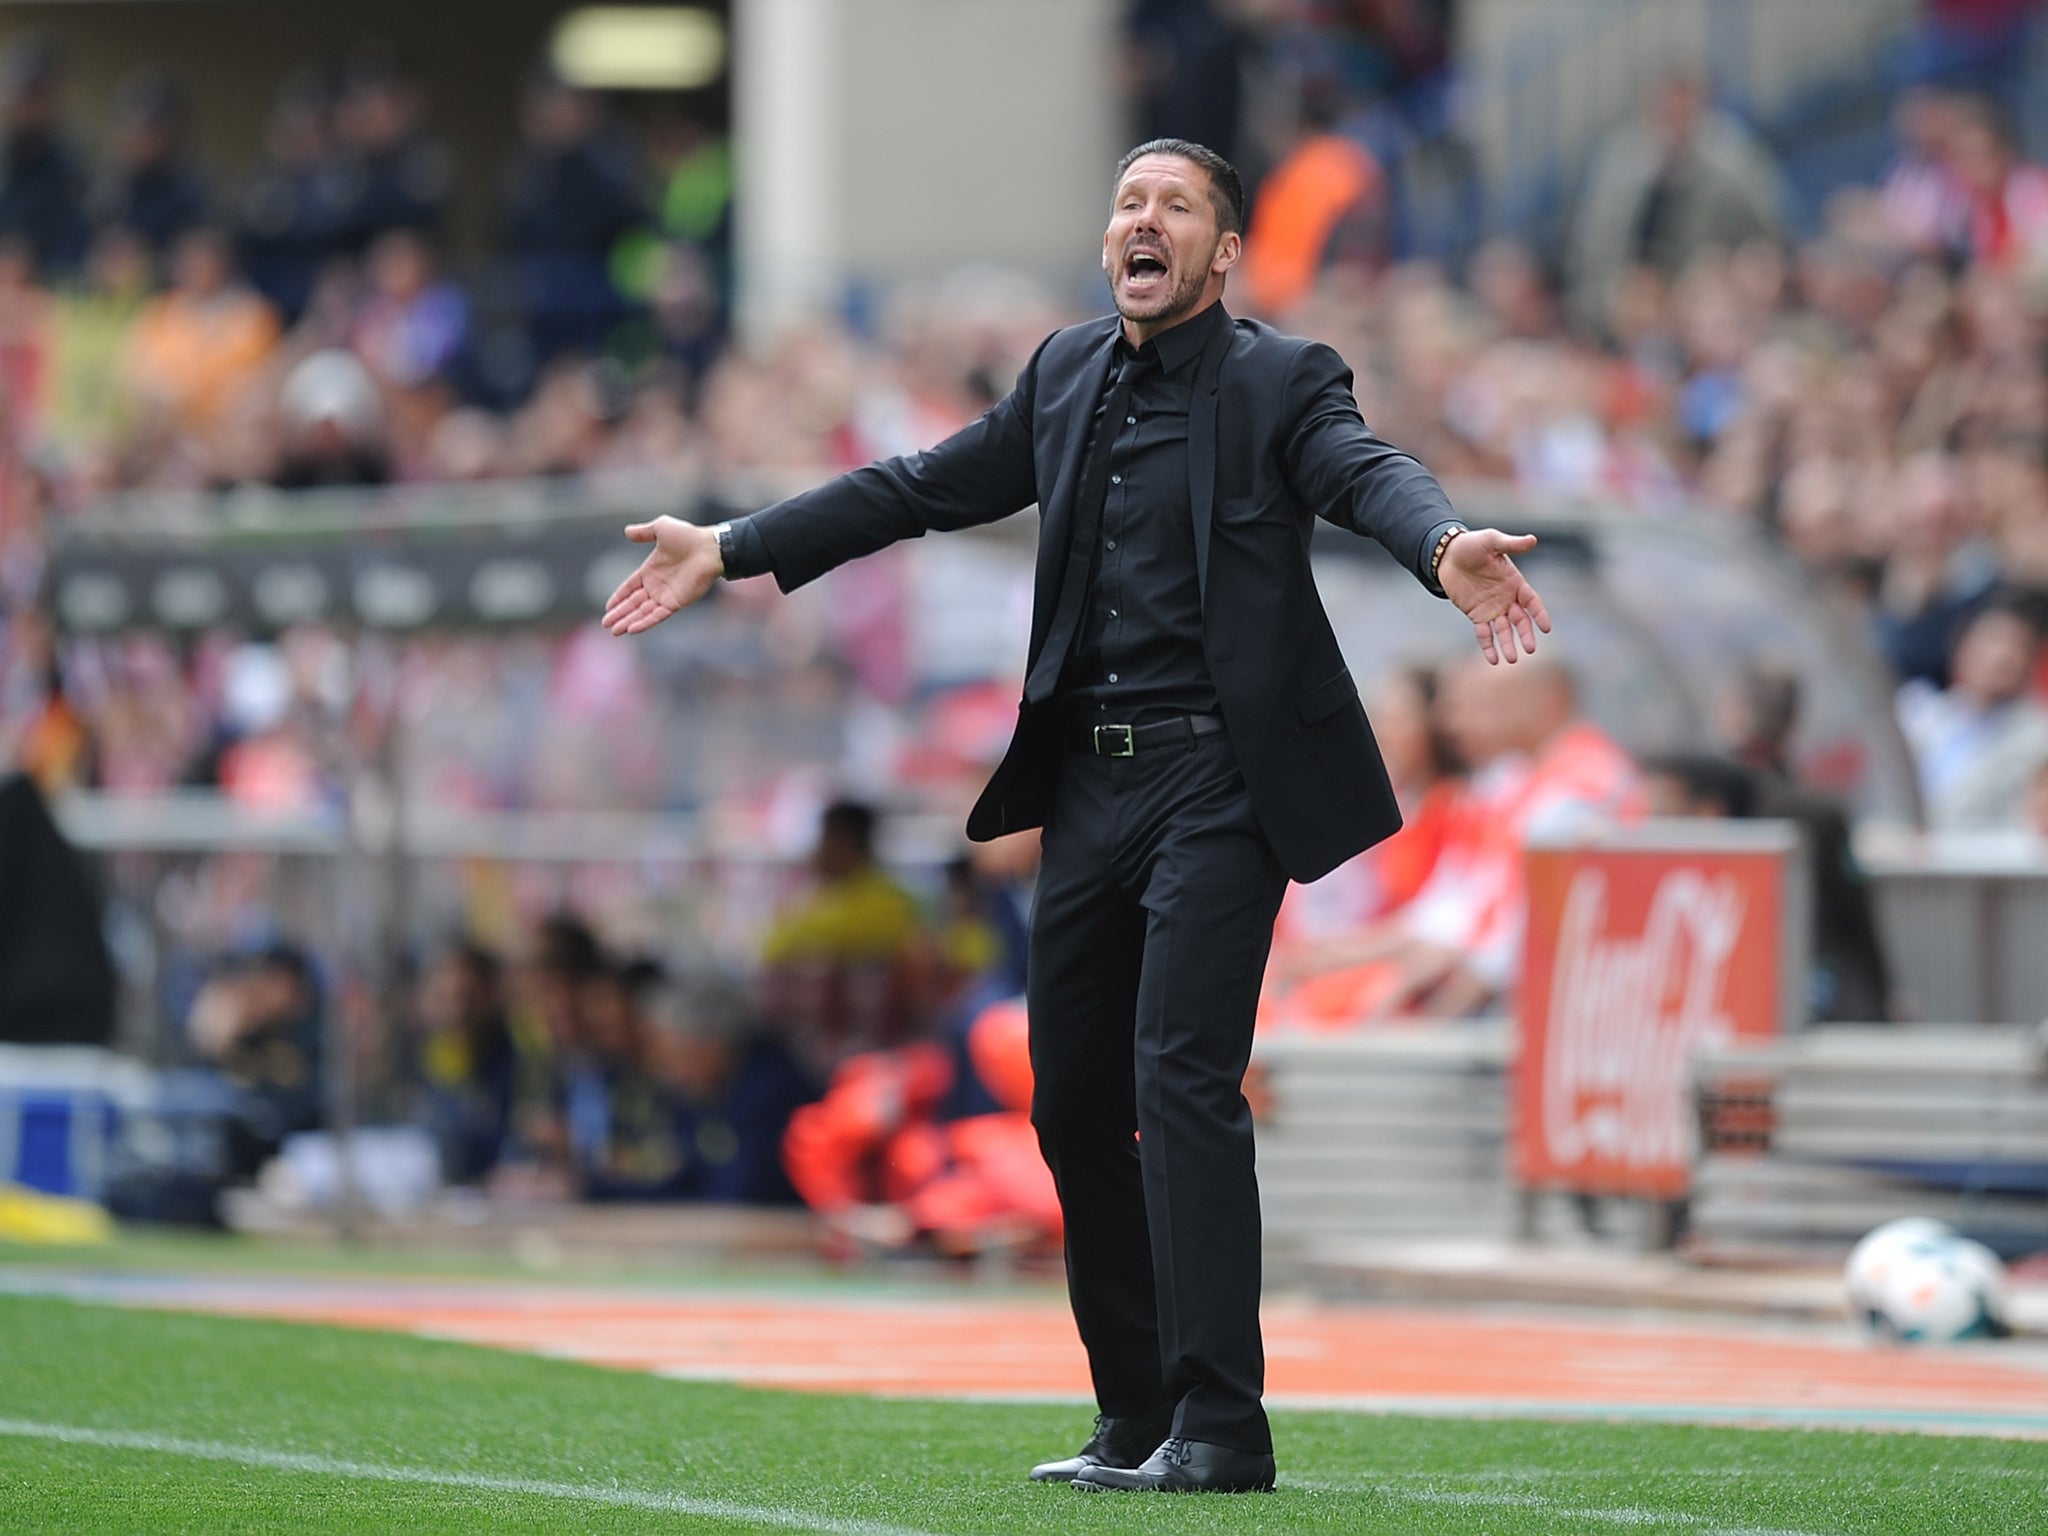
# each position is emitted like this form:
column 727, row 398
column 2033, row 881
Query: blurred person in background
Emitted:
column 729, row 1091
column 331, row 422
column 2037, row 803
column 2004, row 223
column 393, row 172
column 571, row 192
column 202, row 345
column 57, row 982
column 1849, row 981
column 1978, row 741
column 258, row 1023
column 1682, row 180
column 621, row 1145
column 91, row 410
column 845, row 967
column 463, row 1059
column 1539, row 768
column 549, row 992
column 27, row 331
column 152, row 186
column 1325, row 204
column 294, row 211
column 1937, row 570
column 1319, row 923
column 42, row 180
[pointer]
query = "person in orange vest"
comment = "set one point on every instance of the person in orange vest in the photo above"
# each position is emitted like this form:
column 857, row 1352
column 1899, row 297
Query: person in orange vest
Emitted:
column 877, row 1160
column 1324, row 203
column 1538, row 767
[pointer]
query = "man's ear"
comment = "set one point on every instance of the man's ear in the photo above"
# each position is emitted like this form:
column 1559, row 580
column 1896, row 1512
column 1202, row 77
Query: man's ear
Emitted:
column 1228, row 250
column 1107, row 269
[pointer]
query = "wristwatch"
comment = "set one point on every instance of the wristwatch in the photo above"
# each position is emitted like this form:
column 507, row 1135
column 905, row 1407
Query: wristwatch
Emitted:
column 722, row 532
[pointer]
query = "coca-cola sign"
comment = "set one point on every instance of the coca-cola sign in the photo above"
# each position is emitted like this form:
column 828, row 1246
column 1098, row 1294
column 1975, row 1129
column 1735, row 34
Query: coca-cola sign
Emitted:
column 1638, row 954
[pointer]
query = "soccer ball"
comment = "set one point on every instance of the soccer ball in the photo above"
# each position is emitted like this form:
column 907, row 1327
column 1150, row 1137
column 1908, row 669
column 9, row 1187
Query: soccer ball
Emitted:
column 1917, row 1280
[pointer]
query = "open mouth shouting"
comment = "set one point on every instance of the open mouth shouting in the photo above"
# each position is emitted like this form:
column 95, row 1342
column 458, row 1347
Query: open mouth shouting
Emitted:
column 1145, row 273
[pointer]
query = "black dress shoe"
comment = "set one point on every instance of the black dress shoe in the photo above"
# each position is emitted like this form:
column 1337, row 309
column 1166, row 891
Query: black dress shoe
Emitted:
column 1120, row 1443
column 1186, row 1466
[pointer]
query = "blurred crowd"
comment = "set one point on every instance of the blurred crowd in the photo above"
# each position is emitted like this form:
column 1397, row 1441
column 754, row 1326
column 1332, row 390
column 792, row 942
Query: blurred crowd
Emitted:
column 1866, row 389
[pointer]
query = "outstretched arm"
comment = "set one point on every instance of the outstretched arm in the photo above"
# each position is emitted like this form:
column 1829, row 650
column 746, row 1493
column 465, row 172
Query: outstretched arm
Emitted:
column 1352, row 478
column 981, row 473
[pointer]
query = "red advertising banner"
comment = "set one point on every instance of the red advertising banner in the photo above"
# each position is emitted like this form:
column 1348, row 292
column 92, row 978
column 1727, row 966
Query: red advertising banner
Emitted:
column 1639, row 952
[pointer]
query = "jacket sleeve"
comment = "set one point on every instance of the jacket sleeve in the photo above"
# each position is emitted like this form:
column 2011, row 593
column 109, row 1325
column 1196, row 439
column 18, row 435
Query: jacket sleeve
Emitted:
column 981, row 473
column 1348, row 475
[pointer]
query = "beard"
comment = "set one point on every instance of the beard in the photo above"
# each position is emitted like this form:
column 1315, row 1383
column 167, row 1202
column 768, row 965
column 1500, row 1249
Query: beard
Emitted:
column 1169, row 302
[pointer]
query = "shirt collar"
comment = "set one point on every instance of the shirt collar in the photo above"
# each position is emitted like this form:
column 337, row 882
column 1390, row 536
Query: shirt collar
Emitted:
column 1177, row 346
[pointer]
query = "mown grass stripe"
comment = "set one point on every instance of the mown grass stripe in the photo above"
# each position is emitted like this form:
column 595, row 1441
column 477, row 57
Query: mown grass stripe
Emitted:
column 330, row 1466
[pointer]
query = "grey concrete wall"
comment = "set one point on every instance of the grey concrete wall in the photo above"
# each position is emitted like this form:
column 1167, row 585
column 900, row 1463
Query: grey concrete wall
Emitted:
column 889, row 141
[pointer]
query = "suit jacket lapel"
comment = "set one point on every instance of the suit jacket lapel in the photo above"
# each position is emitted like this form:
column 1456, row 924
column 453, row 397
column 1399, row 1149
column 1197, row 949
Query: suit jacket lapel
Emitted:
column 1056, row 520
column 1202, row 444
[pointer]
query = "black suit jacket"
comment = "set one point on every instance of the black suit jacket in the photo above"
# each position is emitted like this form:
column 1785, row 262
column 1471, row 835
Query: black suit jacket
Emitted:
column 1274, row 440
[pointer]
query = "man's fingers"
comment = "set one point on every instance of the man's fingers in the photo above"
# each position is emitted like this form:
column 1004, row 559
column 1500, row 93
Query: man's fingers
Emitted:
column 641, row 533
column 1524, row 627
column 619, row 594
column 1504, row 633
column 1536, row 609
column 1484, row 629
column 1513, row 543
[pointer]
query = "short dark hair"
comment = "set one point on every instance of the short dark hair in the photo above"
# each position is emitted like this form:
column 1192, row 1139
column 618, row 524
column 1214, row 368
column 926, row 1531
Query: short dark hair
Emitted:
column 852, row 822
column 1720, row 780
column 1226, row 187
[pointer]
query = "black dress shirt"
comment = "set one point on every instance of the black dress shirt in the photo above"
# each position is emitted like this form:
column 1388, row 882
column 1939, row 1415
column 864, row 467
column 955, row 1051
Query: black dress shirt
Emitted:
column 1138, row 654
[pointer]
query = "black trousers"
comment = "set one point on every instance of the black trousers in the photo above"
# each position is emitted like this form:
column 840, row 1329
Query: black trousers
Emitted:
column 1149, row 935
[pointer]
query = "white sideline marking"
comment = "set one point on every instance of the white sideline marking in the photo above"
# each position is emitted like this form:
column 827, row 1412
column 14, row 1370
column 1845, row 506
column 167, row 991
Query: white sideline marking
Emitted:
column 1628, row 1515
column 589, row 1493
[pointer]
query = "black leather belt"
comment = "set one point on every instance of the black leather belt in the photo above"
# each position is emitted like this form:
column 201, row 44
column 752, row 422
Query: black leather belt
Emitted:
column 1128, row 740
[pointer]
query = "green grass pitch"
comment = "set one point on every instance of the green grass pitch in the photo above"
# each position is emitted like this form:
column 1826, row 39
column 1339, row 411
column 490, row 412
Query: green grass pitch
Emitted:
column 117, row 1421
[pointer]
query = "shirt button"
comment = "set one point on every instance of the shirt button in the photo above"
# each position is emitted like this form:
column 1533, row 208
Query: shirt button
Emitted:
column 1130, row 421
column 1112, row 613
column 1116, row 479
column 1112, row 677
column 1112, row 543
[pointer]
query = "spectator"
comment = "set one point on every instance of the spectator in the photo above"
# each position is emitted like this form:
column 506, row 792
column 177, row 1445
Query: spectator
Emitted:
column 1978, row 742
column 1683, row 181
column 42, row 184
column 413, row 322
column 333, row 424
column 152, row 187
column 1923, row 202
column 1319, row 923
column 843, row 969
column 2005, row 224
column 1849, row 981
column 1539, row 768
column 90, row 410
column 199, row 348
column 730, row 1092
column 571, row 193
column 257, row 1023
column 1936, row 572
column 463, row 1059
column 294, row 212
column 1324, row 204
column 394, row 173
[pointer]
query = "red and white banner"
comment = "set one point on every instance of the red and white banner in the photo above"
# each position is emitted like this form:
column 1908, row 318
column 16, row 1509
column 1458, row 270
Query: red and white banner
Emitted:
column 1639, row 952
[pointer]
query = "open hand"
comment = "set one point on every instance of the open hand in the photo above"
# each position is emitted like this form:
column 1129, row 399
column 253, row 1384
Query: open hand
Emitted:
column 1479, row 577
column 682, row 567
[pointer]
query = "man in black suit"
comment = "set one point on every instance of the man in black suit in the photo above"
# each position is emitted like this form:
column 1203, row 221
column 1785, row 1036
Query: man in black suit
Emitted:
column 1188, row 738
